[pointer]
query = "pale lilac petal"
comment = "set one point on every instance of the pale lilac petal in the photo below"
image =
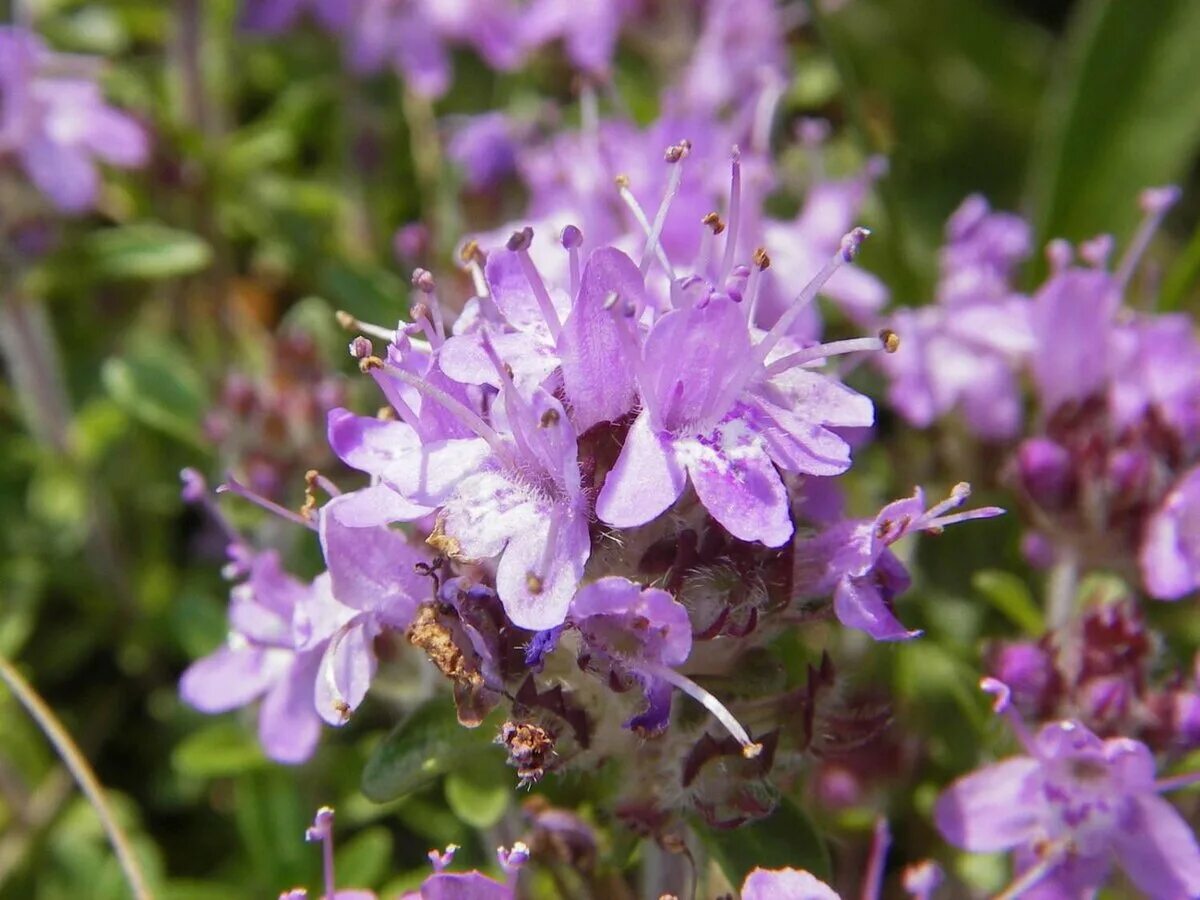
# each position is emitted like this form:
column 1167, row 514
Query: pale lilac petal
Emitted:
column 858, row 603
column 1170, row 551
column 378, row 505
column 739, row 486
column 229, row 678
column 1072, row 317
column 432, row 474
column 368, row 444
column 687, row 364
column 785, row 884
column 801, row 446
column 463, row 886
column 288, row 725
column 536, row 586
column 346, row 670
column 1158, row 851
column 597, row 375
column 320, row 615
column 372, row 568
column 116, row 138
column 645, row 480
column 66, row 174
column 995, row 808
column 487, row 511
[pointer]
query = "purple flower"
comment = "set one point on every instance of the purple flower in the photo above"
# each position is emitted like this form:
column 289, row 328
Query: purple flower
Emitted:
column 785, row 884
column 719, row 409
column 631, row 631
column 1170, row 552
column 1070, row 807
column 588, row 28
column 484, row 148
column 262, row 658
column 372, row 572
column 852, row 560
column 443, row 885
column 739, row 49
column 965, row 351
column 56, row 127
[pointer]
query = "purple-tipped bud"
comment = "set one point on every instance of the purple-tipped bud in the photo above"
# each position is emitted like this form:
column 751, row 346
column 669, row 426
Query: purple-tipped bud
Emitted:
column 194, row 485
column 410, row 242
column 571, row 237
column 322, row 826
column 361, row 348
column 422, row 280
column 922, row 879
column 1059, row 254
column 1097, row 251
column 441, row 861
column 998, row 689
column 1044, row 471
column 520, row 240
column 813, row 132
column 512, row 859
column 852, row 241
column 1159, row 199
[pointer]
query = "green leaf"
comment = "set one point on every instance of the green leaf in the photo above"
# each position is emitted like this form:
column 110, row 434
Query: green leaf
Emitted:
column 480, row 796
column 1122, row 114
column 221, row 749
column 146, row 250
column 787, row 837
column 160, row 389
column 1010, row 595
column 428, row 744
column 366, row 858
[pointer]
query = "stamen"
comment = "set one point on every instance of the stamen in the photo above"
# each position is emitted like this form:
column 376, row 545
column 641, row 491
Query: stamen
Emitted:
column 881, row 841
column 1176, row 782
column 518, row 411
column 350, row 323
column 473, row 259
column 322, row 830
column 441, row 861
column 195, row 490
column 764, row 113
column 422, row 280
column 674, row 155
column 750, row 749
column 519, row 244
column 639, row 215
column 958, row 496
column 1059, row 254
column 1003, row 707
column 1052, row 857
column 1097, row 251
column 936, row 526
column 762, row 262
column 572, row 237
column 420, row 314
column 232, row 486
column 457, row 409
column 825, row 351
column 848, row 249
column 1155, row 202
column 735, row 208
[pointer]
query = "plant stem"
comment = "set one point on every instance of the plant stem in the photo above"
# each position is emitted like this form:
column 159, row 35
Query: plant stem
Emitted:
column 1061, row 587
column 81, row 770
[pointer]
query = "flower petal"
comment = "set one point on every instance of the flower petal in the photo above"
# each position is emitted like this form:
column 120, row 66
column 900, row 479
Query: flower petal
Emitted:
column 738, row 484
column 785, row 884
column 859, row 603
column 288, row 725
column 1158, row 851
column 645, row 480
column 994, row 808
column 346, row 670
column 231, row 677
column 536, row 583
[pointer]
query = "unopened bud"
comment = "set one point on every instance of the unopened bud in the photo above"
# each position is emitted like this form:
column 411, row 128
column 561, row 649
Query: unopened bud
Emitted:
column 422, row 280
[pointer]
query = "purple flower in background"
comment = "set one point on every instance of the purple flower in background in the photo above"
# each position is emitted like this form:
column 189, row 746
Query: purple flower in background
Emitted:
column 852, row 560
column 1170, row 552
column 965, row 351
column 484, row 148
column 262, row 658
column 274, row 16
column 57, row 126
column 587, row 28
column 1070, row 807
column 631, row 631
